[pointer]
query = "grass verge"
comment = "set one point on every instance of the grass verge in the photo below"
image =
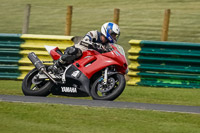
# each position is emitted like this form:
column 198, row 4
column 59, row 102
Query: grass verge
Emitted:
column 158, row 95
column 31, row 118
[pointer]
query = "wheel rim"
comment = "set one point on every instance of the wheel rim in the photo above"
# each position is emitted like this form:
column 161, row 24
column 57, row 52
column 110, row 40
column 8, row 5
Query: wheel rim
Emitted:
column 103, row 90
column 34, row 87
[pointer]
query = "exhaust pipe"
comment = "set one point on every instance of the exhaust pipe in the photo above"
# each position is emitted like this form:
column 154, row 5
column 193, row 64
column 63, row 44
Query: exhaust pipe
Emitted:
column 36, row 61
column 39, row 65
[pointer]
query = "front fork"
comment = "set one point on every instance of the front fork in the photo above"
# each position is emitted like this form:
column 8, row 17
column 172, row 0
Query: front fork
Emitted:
column 105, row 80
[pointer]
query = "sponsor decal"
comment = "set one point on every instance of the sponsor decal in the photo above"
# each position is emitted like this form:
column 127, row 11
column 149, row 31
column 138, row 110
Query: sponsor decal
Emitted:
column 69, row 89
column 75, row 74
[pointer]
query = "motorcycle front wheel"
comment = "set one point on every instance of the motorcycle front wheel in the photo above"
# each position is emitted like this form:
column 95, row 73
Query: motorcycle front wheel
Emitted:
column 110, row 91
column 30, row 88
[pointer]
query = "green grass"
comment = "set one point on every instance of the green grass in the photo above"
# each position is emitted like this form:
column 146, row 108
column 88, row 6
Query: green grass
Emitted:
column 51, row 118
column 159, row 95
column 140, row 20
column 10, row 87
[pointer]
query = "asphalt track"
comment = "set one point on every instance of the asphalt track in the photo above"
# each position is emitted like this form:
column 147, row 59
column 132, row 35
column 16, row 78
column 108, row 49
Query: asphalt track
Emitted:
column 96, row 103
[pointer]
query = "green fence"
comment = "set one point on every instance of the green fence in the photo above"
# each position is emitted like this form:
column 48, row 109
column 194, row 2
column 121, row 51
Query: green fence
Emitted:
column 169, row 64
column 14, row 49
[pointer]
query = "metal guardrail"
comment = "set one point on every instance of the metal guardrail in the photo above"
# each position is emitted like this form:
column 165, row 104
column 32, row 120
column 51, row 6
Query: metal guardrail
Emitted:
column 169, row 64
column 14, row 49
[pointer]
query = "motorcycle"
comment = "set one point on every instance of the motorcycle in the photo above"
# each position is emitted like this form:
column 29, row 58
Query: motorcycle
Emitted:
column 95, row 74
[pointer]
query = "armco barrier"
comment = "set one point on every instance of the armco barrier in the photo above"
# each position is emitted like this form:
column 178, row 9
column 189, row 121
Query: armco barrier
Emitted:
column 170, row 64
column 14, row 48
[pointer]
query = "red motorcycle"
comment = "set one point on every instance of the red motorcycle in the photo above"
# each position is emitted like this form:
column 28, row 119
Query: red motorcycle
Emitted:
column 95, row 74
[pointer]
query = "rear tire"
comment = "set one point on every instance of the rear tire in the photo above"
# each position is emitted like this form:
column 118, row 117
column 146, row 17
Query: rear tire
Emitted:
column 31, row 89
column 115, row 86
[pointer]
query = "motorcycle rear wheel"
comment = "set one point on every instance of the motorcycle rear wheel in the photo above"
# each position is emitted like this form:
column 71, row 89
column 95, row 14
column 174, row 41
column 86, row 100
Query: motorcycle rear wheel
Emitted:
column 41, row 89
column 114, row 87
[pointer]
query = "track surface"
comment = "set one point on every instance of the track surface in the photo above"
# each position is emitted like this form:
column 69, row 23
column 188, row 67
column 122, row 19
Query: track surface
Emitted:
column 95, row 103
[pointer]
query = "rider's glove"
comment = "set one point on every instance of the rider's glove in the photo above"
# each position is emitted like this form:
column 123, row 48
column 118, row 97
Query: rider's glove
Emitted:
column 99, row 47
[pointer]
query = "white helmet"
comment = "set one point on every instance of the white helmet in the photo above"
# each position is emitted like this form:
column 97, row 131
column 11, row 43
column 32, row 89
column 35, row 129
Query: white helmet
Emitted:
column 111, row 31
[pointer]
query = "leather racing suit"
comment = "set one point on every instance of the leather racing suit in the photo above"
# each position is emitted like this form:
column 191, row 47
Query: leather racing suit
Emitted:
column 74, row 52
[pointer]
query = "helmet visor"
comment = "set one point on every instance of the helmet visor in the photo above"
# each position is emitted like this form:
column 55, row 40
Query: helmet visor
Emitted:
column 114, row 36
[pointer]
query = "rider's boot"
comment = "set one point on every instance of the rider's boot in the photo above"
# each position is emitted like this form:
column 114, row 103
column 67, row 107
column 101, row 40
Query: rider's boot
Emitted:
column 71, row 53
column 56, row 66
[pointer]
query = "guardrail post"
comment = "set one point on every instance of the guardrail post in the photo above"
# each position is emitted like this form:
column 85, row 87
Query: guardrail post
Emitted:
column 116, row 16
column 26, row 19
column 68, row 21
column 165, row 28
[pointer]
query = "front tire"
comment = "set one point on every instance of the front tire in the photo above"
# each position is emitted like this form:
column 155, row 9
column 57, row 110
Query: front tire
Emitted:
column 30, row 89
column 114, row 87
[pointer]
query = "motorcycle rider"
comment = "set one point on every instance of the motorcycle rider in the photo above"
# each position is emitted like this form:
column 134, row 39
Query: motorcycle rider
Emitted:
column 99, row 41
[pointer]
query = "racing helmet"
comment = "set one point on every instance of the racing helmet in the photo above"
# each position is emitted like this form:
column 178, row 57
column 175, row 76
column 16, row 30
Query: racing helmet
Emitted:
column 111, row 31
